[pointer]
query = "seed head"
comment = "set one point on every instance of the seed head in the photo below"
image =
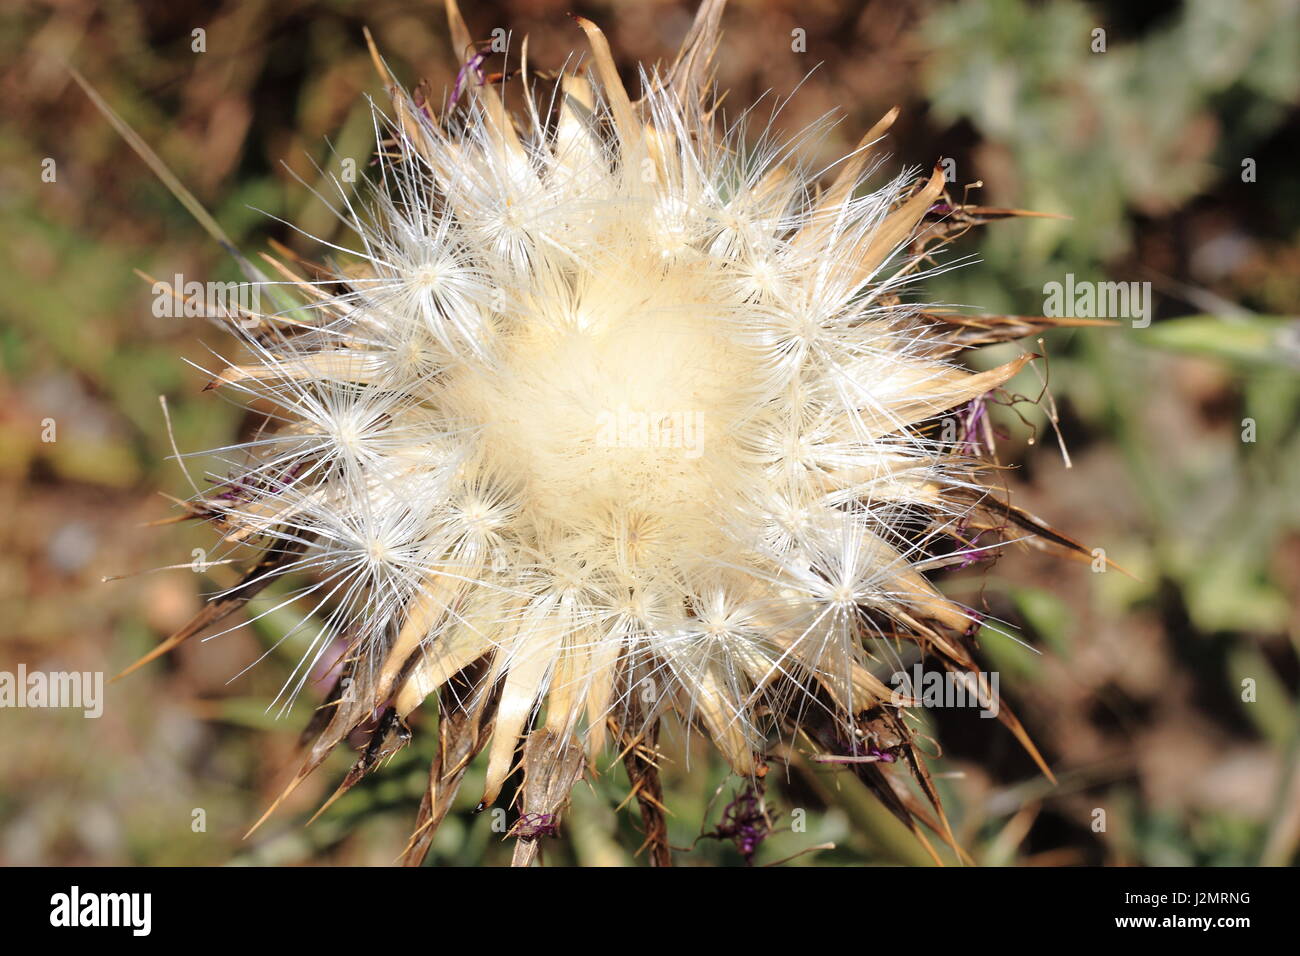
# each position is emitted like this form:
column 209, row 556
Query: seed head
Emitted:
column 614, row 416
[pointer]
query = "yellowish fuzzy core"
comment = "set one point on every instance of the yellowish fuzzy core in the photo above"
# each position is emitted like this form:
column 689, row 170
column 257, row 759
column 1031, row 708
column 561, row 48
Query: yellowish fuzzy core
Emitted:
column 618, row 416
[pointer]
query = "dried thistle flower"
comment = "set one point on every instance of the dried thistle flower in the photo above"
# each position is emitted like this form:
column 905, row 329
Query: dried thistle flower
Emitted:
column 615, row 417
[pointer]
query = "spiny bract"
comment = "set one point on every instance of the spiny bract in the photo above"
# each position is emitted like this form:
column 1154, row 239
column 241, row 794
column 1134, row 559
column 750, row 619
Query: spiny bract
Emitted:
column 614, row 416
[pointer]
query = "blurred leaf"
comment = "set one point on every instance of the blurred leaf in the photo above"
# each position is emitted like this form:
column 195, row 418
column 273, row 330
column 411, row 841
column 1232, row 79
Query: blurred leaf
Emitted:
column 1256, row 340
column 1273, row 710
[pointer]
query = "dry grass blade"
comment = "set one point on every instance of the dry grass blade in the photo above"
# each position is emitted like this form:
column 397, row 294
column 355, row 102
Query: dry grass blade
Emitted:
column 168, row 178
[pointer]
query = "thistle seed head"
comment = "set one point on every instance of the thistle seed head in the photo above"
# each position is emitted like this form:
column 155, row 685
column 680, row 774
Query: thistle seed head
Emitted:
column 614, row 415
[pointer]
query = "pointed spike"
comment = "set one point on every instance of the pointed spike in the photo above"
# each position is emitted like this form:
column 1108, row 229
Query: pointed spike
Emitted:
column 1013, row 724
column 284, row 794
column 629, row 128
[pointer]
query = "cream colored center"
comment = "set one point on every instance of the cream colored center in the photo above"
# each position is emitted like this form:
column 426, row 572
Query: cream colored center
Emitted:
column 625, row 426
